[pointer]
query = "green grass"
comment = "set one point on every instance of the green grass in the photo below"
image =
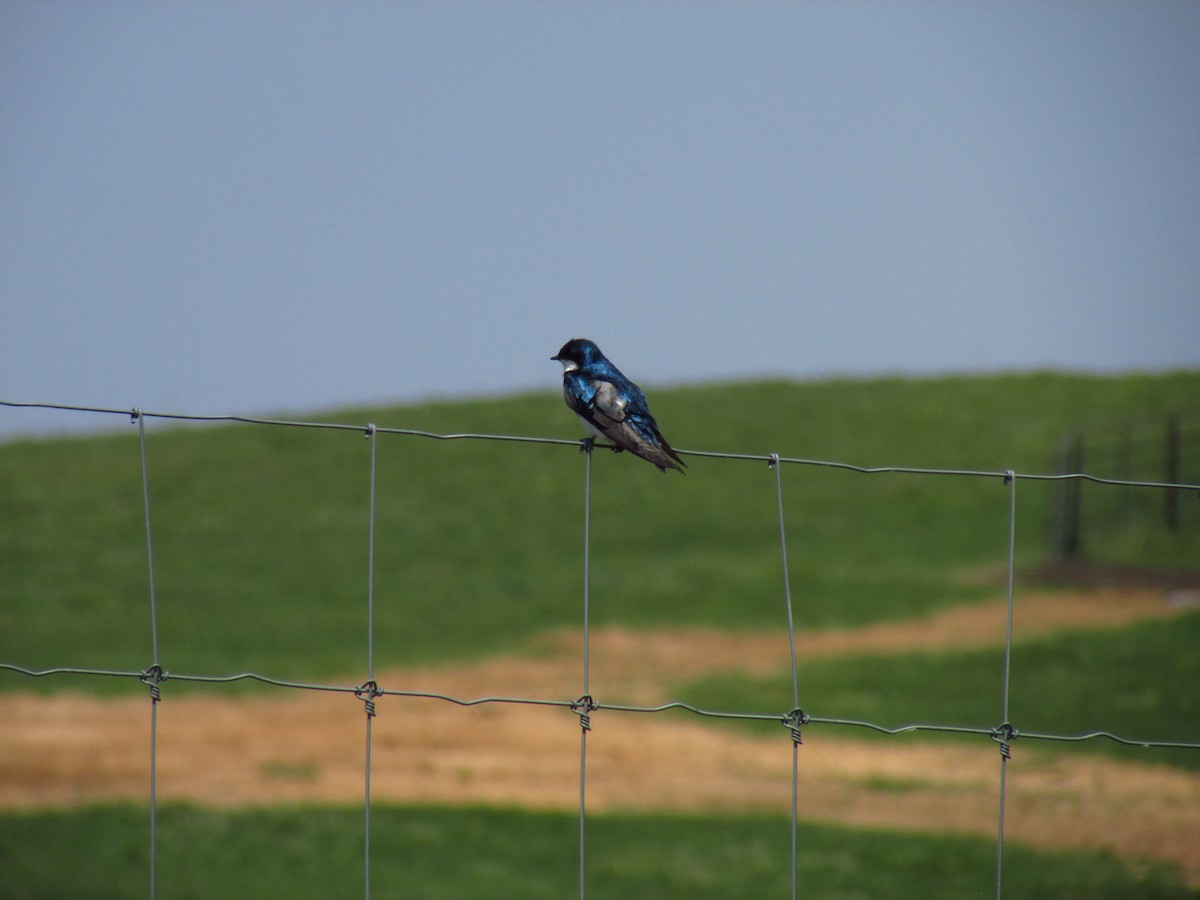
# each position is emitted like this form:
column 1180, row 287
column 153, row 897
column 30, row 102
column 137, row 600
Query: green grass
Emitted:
column 261, row 552
column 431, row 852
column 1141, row 683
column 260, row 532
column 261, row 565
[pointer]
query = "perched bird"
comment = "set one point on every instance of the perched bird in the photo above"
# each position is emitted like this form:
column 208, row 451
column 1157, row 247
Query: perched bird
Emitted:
column 611, row 405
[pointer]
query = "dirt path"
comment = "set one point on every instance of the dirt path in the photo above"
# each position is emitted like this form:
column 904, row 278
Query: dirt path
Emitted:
column 308, row 747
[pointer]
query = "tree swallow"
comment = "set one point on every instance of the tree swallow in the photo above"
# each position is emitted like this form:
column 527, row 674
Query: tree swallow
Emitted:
column 611, row 405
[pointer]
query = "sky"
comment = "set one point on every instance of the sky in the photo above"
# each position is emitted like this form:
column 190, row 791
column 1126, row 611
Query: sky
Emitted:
column 284, row 207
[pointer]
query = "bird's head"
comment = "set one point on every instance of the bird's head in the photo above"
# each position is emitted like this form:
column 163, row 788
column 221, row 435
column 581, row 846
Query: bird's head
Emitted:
column 577, row 353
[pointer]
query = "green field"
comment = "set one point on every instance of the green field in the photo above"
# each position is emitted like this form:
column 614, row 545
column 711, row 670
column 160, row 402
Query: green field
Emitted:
column 260, row 533
column 261, row 564
column 1139, row 682
column 459, row 854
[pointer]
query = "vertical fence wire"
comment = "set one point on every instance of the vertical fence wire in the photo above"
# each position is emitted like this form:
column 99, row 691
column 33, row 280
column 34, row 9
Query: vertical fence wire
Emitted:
column 153, row 675
column 796, row 715
column 370, row 686
column 374, row 443
column 141, row 423
column 1006, row 731
column 585, row 704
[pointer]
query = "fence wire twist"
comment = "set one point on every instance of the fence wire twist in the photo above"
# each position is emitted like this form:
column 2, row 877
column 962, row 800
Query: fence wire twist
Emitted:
column 585, row 705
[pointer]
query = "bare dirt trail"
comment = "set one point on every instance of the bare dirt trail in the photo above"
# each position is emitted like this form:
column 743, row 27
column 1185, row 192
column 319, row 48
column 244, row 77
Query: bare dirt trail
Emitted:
column 292, row 746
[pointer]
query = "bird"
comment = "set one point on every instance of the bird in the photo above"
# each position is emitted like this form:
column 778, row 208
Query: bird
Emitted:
column 612, row 406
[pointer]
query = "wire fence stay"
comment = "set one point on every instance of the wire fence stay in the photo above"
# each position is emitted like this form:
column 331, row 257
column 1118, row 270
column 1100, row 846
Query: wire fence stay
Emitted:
column 585, row 705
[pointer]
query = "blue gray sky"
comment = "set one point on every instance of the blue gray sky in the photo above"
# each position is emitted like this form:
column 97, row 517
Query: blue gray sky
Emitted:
column 229, row 207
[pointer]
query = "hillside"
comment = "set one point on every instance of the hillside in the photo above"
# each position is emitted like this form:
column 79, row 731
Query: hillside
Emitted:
column 897, row 583
column 260, row 533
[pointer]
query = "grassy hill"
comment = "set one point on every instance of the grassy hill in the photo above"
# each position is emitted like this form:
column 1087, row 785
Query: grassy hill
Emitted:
column 260, row 545
column 260, row 533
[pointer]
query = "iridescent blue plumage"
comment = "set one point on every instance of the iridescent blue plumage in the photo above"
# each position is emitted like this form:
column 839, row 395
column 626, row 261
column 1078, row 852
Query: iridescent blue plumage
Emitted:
column 611, row 405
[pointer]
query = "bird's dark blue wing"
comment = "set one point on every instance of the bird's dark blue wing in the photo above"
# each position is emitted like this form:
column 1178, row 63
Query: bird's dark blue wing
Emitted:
column 619, row 412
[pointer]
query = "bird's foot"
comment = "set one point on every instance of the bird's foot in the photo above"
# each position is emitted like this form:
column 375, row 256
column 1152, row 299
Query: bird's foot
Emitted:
column 587, row 444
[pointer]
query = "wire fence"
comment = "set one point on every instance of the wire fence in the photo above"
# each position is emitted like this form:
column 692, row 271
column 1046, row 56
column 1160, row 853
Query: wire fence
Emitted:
column 1004, row 734
column 1163, row 447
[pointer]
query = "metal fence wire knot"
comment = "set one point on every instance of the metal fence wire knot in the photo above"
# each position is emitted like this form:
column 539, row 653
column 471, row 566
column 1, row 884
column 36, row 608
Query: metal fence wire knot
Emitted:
column 793, row 721
column 152, row 678
column 583, row 707
column 367, row 692
column 1004, row 735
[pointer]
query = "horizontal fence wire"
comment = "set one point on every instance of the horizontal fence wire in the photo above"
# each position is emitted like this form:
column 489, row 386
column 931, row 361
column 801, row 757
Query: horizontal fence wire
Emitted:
column 794, row 719
column 782, row 717
column 134, row 413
